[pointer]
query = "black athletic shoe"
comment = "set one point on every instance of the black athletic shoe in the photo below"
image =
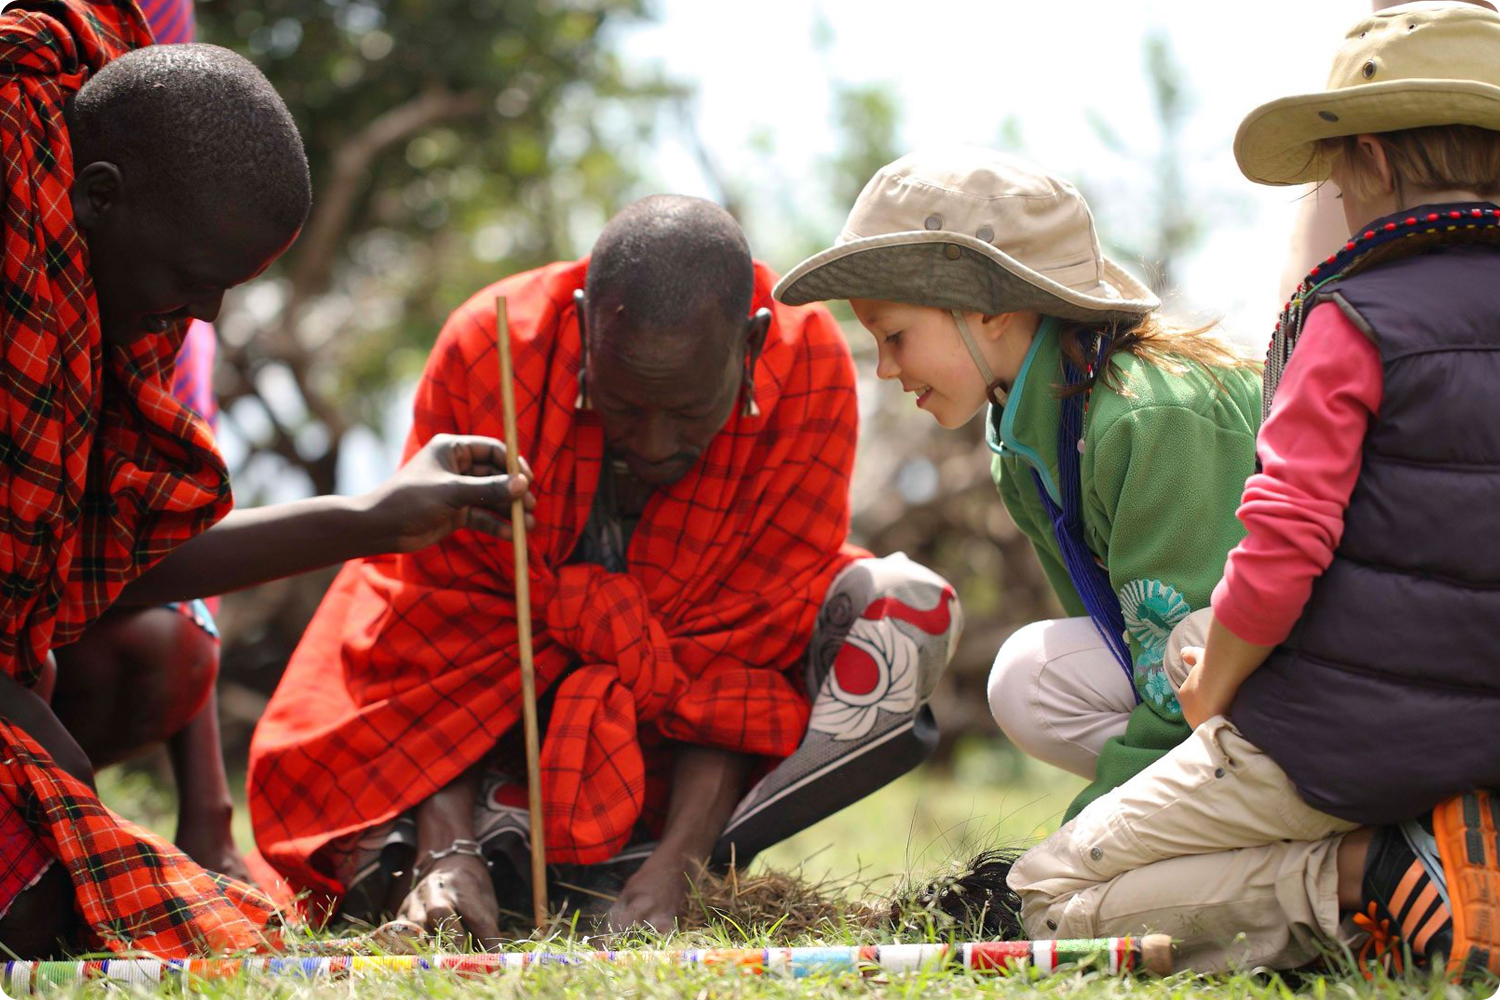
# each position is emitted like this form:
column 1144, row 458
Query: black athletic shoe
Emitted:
column 1432, row 890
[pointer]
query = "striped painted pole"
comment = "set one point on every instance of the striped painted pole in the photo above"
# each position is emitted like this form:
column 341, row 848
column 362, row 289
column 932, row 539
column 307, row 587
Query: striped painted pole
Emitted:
column 1152, row 953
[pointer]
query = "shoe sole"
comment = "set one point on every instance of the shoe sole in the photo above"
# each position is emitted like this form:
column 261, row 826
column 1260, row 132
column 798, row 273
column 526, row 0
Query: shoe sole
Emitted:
column 1467, row 829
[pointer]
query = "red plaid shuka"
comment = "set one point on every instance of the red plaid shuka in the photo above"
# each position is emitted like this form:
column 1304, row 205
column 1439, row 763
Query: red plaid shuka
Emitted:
column 102, row 473
column 408, row 674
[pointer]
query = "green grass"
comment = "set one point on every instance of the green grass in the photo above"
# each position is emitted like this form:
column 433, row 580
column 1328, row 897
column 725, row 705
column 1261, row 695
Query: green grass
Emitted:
column 915, row 826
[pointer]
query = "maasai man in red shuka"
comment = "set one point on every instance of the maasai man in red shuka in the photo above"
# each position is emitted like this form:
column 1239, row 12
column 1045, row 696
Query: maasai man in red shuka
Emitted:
column 140, row 183
column 692, row 443
column 103, row 471
column 144, row 676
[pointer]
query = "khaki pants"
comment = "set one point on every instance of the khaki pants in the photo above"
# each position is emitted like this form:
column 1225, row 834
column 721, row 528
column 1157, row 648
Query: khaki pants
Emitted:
column 1211, row 844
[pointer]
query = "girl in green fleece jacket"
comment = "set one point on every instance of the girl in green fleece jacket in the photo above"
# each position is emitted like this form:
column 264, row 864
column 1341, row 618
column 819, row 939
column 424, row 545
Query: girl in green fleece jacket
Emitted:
column 1121, row 445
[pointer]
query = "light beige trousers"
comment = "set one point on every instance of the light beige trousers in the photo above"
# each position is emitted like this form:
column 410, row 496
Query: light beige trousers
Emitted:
column 1211, row 844
column 1058, row 693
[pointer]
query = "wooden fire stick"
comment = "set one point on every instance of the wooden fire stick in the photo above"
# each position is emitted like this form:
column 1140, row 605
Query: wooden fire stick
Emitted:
column 523, row 628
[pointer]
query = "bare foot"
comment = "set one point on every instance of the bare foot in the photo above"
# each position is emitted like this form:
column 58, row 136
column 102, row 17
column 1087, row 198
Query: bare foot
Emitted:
column 653, row 896
column 455, row 896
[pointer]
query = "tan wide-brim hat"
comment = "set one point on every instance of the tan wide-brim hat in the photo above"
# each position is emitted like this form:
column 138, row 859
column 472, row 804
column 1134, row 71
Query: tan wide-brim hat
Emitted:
column 966, row 228
column 1419, row 64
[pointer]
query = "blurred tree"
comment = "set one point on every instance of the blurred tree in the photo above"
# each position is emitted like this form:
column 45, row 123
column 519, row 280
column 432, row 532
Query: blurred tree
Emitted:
column 868, row 120
column 1172, row 226
column 1176, row 228
column 451, row 142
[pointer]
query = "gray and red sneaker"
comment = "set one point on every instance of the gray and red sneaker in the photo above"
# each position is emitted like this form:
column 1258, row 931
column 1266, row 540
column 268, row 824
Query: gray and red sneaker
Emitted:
column 1432, row 890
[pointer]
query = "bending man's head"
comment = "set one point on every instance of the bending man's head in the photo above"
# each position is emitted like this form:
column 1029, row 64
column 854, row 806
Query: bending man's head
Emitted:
column 669, row 333
column 189, row 179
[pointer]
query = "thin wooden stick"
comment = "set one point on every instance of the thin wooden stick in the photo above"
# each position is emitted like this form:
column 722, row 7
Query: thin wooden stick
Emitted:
column 523, row 628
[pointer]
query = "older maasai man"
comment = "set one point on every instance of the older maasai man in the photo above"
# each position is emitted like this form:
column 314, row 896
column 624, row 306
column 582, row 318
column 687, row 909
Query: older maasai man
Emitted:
column 138, row 186
column 692, row 443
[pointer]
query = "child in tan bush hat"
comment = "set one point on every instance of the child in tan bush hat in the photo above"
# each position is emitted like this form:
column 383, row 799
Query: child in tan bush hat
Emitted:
column 1348, row 698
column 1121, row 443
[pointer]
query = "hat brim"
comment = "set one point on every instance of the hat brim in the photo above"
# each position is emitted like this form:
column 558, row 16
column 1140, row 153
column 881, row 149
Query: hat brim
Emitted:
column 916, row 268
column 1277, row 142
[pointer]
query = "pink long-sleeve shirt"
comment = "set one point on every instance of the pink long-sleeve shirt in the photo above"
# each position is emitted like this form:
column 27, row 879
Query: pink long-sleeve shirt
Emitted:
column 1310, row 449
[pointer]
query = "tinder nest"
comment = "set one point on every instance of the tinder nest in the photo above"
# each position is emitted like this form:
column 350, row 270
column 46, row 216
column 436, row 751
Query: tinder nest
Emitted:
column 970, row 900
column 786, row 904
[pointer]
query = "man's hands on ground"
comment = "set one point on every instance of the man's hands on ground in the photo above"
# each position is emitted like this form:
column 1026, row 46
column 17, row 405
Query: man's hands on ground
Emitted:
column 454, row 481
column 455, row 896
column 653, row 896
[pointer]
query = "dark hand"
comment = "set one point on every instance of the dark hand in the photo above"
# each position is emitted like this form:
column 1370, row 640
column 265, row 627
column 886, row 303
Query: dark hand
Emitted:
column 455, row 481
column 653, row 896
column 455, row 896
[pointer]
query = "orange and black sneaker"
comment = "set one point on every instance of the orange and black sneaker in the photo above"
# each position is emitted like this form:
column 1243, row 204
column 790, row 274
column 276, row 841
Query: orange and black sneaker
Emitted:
column 1432, row 890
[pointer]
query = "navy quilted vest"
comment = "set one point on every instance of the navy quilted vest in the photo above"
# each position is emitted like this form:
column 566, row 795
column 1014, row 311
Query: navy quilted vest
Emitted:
column 1385, row 699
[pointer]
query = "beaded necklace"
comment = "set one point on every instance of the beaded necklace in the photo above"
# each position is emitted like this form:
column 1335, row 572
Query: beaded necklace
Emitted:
column 1385, row 239
column 1089, row 576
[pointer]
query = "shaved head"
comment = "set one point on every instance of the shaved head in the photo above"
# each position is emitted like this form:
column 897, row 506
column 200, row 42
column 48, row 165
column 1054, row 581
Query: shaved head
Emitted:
column 193, row 127
column 668, row 262
column 189, row 179
column 671, row 347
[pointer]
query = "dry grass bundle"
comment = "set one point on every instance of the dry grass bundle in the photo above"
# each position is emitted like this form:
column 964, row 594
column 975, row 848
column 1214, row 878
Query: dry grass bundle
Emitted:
column 971, row 900
column 786, row 904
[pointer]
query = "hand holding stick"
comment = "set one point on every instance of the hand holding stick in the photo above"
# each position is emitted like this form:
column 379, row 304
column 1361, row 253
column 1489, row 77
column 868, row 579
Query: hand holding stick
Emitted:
column 523, row 626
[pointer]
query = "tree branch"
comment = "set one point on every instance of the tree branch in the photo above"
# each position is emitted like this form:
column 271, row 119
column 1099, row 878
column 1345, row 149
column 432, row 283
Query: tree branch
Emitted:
column 351, row 168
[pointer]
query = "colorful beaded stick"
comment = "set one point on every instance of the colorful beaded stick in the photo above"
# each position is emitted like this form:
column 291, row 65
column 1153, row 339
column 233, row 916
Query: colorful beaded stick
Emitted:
column 1465, row 223
column 1152, row 953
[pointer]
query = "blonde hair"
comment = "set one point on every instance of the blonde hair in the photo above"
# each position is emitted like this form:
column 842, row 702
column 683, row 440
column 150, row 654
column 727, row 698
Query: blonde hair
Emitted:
column 1435, row 158
column 1157, row 341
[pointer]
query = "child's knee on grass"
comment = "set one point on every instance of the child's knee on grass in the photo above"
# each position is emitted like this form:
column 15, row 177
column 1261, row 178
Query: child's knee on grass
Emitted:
column 1214, row 792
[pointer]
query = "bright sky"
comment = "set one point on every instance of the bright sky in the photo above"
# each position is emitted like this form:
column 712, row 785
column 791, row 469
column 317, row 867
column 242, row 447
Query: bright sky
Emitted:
column 962, row 67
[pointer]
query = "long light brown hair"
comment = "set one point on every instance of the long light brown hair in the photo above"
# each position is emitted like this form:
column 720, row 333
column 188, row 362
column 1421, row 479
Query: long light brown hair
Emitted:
column 1172, row 347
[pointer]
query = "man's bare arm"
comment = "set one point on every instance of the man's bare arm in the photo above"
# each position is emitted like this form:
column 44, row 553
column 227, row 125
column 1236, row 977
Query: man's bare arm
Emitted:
column 453, row 482
column 707, row 784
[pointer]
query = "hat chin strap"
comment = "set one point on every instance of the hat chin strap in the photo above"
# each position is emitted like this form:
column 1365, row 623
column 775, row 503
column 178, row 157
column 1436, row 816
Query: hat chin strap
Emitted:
column 995, row 388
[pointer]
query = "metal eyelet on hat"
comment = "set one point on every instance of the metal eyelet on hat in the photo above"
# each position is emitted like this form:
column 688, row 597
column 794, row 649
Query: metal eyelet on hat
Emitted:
column 934, row 222
column 1369, row 69
column 985, row 234
column 1328, row 116
column 951, row 252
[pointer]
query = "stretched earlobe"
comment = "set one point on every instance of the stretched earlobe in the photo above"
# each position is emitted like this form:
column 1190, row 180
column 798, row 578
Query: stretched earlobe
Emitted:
column 582, row 402
column 758, row 326
column 748, row 406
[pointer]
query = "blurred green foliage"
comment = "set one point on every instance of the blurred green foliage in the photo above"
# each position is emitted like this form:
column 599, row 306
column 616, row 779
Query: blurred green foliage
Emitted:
column 451, row 142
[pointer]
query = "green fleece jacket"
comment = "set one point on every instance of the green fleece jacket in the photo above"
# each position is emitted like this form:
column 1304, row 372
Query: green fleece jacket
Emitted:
column 1163, row 466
